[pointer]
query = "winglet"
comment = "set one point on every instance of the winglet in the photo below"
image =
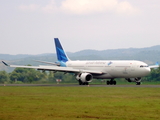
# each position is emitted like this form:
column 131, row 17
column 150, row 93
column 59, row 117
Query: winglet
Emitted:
column 5, row 63
column 157, row 63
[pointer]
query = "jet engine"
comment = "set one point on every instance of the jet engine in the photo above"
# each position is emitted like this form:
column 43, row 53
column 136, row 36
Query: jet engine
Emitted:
column 84, row 77
column 138, row 79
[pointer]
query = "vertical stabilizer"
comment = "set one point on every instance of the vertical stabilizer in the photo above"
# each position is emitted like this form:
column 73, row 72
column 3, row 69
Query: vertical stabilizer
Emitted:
column 61, row 55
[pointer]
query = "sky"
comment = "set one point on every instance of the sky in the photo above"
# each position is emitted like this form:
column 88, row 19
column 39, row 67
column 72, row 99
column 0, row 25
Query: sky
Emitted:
column 29, row 26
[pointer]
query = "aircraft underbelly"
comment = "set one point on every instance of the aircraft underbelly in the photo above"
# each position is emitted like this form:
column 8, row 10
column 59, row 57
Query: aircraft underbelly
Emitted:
column 103, row 76
column 122, row 73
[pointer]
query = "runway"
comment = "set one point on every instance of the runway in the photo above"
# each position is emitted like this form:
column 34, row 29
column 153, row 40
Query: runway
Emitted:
column 76, row 85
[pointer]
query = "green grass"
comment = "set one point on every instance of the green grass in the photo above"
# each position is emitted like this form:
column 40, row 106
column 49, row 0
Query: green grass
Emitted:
column 82, row 103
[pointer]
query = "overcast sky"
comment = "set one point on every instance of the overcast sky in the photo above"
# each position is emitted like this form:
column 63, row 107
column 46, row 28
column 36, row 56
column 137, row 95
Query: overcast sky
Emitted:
column 29, row 26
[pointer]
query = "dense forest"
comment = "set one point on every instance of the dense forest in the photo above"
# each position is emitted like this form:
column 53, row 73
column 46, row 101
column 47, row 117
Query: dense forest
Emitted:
column 27, row 75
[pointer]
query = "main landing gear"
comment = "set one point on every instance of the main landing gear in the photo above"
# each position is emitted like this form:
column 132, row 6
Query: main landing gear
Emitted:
column 111, row 82
column 83, row 83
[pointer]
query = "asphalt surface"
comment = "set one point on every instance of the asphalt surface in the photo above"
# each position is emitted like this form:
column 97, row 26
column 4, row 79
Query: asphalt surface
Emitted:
column 76, row 85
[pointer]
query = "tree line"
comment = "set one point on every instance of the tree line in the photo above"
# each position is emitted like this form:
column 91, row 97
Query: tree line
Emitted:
column 28, row 75
column 154, row 75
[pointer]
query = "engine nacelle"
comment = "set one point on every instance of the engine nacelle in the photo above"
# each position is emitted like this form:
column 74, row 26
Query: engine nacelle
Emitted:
column 84, row 77
column 133, row 79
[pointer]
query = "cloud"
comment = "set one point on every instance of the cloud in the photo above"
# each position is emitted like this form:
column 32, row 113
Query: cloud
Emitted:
column 51, row 7
column 83, row 7
column 31, row 7
column 98, row 6
column 126, row 8
column 87, row 6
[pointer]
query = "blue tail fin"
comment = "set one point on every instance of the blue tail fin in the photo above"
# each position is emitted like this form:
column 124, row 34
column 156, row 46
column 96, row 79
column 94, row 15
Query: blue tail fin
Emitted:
column 157, row 63
column 61, row 55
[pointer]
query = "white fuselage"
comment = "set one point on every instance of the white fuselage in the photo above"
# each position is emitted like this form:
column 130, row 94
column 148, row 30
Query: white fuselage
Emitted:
column 113, row 68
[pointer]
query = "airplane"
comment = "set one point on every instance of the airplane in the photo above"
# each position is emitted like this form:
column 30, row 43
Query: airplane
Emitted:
column 85, row 71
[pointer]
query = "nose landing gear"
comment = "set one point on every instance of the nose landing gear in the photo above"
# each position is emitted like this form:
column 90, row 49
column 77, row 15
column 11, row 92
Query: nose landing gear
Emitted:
column 138, row 83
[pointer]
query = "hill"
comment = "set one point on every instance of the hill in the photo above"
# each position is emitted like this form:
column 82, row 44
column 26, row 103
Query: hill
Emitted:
column 149, row 55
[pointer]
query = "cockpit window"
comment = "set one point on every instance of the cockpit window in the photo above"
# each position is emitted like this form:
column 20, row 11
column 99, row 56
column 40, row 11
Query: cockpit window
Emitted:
column 143, row 66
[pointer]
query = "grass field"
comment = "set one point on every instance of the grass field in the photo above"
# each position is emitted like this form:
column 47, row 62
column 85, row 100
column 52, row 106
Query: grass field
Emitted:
column 82, row 103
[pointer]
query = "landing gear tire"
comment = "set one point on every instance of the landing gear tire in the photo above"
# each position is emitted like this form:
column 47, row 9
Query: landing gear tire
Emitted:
column 80, row 82
column 138, row 83
column 108, row 82
column 83, row 83
column 111, row 82
column 114, row 82
column 87, row 83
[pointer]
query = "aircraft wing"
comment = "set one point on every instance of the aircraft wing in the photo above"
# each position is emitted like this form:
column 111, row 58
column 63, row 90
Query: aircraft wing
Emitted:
column 55, row 68
column 155, row 66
